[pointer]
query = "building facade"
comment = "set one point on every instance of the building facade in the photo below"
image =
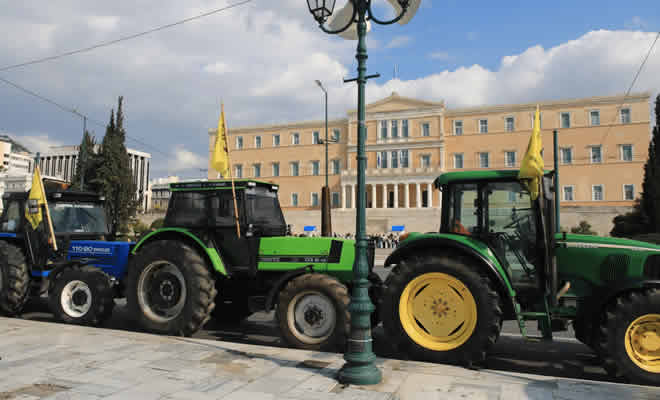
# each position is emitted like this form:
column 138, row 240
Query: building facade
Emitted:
column 603, row 147
column 14, row 163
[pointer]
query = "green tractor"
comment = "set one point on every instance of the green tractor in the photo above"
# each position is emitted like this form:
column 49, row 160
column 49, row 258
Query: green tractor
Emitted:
column 499, row 256
column 199, row 266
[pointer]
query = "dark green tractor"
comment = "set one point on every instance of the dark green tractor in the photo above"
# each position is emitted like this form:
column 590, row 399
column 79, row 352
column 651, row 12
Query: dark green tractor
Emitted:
column 197, row 267
column 498, row 256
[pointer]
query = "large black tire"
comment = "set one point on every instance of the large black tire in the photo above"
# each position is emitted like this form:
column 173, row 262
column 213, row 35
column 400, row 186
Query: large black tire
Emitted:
column 630, row 323
column 14, row 279
column 312, row 313
column 170, row 288
column 82, row 296
column 450, row 277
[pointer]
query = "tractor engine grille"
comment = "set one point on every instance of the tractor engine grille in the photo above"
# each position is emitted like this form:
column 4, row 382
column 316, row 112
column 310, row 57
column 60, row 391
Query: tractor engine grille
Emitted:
column 652, row 267
column 614, row 267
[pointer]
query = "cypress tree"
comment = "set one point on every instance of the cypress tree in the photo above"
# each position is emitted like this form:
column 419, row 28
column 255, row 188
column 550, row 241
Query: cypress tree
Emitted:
column 651, row 185
column 114, row 175
column 87, row 161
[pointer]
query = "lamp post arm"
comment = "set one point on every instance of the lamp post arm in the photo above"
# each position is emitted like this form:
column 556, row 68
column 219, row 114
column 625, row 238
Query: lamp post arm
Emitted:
column 342, row 29
column 392, row 21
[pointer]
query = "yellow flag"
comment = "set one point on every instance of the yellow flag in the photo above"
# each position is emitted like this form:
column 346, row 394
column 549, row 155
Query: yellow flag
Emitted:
column 37, row 194
column 220, row 158
column 531, row 168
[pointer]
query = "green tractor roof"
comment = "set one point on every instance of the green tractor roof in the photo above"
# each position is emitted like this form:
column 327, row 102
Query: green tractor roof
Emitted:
column 450, row 177
column 220, row 184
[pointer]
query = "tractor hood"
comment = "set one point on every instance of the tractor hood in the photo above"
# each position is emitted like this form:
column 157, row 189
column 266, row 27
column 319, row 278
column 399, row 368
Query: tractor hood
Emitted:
column 590, row 241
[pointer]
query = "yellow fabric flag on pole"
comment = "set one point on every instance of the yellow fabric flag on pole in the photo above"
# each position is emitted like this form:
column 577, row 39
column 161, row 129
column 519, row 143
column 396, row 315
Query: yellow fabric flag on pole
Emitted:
column 220, row 158
column 531, row 168
column 38, row 195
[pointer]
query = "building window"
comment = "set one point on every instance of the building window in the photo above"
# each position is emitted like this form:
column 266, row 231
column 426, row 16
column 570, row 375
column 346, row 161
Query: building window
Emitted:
column 256, row 168
column 238, row 171
column 629, row 192
column 335, row 200
column 426, row 160
column 276, row 169
column 597, row 192
column 395, row 159
column 484, row 162
column 294, row 199
column 295, row 138
column 239, row 142
column 483, row 126
column 257, row 142
column 568, row 193
column 426, row 129
column 315, row 137
column 458, row 128
column 404, row 128
column 531, row 118
column 336, row 135
column 510, row 158
column 625, row 115
column 566, row 154
column 594, row 117
column 565, row 120
column 316, row 167
column 626, row 152
column 596, row 156
column 276, row 140
column 395, row 128
column 295, row 168
column 403, row 158
column 335, row 167
column 458, row 161
column 509, row 124
column 383, row 129
column 382, row 159
column 315, row 199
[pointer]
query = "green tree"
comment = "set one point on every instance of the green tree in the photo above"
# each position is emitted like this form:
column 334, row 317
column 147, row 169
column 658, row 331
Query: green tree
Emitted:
column 87, row 161
column 583, row 228
column 114, row 176
column 650, row 203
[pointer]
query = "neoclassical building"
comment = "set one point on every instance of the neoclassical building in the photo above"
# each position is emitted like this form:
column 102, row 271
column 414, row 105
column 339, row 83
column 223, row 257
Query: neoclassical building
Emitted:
column 603, row 147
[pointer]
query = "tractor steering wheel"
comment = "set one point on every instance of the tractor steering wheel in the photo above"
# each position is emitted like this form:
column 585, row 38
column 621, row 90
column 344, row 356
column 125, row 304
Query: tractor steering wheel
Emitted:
column 516, row 221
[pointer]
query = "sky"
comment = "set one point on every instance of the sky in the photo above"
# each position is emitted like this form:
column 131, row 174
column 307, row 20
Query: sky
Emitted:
column 261, row 59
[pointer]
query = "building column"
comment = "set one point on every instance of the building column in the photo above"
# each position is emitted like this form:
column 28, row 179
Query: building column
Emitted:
column 343, row 196
column 418, row 197
column 406, row 195
column 429, row 195
column 373, row 196
column 384, row 195
column 353, row 205
column 396, row 195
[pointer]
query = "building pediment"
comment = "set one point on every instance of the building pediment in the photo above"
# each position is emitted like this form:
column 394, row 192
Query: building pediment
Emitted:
column 396, row 103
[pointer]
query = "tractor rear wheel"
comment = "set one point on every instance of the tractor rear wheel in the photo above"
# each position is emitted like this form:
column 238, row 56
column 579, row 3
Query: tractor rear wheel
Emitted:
column 170, row 288
column 441, row 309
column 312, row 313
column 82, row 296
column 14, row 279
column 631, row 336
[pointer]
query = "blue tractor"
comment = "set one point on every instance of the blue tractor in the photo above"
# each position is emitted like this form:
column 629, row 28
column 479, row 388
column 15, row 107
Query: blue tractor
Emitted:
column 82, row 278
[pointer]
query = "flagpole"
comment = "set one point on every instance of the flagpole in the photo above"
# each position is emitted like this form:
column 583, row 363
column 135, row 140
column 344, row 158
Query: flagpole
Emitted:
column 231, row 175
column 50, row 221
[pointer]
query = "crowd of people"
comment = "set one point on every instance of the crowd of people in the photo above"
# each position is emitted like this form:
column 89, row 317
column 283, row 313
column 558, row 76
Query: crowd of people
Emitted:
column 385, row 240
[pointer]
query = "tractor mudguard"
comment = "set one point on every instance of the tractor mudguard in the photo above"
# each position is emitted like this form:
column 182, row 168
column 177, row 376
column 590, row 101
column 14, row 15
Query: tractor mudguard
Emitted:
column 436, row 242
column 277, row 287
column 600, row 299
column 178, row 234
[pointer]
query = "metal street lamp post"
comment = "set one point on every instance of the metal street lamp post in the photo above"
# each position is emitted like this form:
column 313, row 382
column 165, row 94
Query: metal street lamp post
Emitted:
column 326, row 216
column 359, row 368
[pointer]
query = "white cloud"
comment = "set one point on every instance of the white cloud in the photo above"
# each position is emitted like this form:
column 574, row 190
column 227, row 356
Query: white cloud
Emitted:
column 37, row 142
column 186, row 160
column 103, row 22
column 398, row 41
column 440, row 55
column 217, row 68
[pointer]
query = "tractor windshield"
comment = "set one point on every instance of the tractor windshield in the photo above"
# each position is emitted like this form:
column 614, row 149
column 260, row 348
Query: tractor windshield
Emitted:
column 263, row 209
column 78, row 217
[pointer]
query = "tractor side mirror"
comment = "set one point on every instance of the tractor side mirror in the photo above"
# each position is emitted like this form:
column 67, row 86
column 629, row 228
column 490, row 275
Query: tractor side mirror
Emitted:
column 33, row 206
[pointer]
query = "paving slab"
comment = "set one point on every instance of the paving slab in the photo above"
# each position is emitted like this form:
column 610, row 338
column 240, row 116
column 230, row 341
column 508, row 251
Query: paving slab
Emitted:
column 40, row 360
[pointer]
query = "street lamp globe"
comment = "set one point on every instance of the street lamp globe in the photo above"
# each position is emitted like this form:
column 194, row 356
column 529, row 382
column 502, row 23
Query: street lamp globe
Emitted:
column 321, row 9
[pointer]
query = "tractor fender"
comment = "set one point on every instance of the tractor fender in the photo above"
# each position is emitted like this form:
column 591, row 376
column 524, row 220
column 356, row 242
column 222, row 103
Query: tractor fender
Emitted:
column 209, row 253
column 600, row 300
column 282, row 281
column 438, row 244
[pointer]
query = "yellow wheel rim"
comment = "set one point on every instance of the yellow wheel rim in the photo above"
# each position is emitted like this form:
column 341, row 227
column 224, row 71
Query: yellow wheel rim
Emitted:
column 643, row 342
column 438, row 311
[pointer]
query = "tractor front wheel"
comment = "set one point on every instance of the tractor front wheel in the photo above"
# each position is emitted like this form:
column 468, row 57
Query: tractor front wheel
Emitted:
column 441, row 309
column 14, row 279
column 82, row 296
column 631, row 336
column 312, row 313
column 170, row 288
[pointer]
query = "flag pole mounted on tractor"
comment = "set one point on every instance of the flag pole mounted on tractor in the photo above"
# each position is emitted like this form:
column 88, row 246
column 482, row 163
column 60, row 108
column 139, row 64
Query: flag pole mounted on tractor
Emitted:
column 36, row 202
column 222, row 163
